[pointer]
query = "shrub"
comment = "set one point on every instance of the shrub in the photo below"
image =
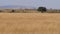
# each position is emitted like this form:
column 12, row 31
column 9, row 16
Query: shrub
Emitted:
column 1, row 11
column 42, row 9
column 13, row 10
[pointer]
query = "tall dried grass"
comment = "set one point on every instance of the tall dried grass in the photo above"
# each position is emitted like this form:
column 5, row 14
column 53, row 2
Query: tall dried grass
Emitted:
column 29, row 23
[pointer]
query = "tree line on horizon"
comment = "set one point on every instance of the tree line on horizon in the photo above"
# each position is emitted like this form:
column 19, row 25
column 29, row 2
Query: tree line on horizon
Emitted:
column 39, row 9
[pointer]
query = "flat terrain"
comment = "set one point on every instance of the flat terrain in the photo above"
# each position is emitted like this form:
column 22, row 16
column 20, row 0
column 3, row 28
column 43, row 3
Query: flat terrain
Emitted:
column 29, row 23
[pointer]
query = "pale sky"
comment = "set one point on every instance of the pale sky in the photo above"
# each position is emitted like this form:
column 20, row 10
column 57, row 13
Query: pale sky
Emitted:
column 36, row 3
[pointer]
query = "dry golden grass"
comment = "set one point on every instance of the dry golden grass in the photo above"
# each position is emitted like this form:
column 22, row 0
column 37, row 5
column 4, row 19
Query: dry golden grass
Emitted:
column 29, row 23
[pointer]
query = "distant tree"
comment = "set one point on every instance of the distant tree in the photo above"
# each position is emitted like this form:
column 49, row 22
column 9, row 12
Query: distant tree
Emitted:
column 1, row 11
column 42, row 9
column 13, row 10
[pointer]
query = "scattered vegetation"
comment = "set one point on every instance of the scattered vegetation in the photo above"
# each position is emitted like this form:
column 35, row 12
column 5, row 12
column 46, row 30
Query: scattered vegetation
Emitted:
column 40, row 9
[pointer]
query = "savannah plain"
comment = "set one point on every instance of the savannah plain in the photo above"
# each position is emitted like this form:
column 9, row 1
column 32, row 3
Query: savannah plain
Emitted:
column 29, row 23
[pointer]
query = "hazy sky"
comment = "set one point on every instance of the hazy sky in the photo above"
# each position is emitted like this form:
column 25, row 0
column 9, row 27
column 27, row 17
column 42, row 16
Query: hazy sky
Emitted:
column 36, row 3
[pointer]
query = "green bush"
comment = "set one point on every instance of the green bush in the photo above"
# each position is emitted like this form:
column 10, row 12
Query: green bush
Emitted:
column 42, row 9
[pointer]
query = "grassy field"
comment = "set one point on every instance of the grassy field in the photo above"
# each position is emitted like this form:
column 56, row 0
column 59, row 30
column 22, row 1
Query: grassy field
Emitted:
column 29, row 23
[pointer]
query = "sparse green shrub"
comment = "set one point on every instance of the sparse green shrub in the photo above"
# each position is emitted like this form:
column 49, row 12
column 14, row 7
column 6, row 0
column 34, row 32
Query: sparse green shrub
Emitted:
column 42, row 9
